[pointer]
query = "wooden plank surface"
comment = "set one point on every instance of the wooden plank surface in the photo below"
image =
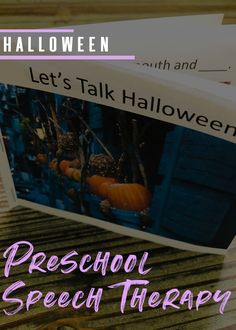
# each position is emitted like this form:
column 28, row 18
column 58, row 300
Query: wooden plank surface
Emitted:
column 171, row 267
column 43, row 13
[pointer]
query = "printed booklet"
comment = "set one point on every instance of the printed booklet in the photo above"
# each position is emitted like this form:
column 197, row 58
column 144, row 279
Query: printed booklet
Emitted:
column 145, row 150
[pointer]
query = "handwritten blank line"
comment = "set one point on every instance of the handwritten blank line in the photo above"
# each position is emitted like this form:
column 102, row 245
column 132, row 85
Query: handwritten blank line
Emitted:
column 214, row 70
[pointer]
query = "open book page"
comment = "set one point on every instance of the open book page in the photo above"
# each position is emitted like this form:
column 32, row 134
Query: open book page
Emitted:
column 138, row 151
column 135, row 27
column 205, row 52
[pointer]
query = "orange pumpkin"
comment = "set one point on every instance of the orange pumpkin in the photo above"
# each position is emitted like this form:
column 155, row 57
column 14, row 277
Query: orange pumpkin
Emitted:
column 73, row 173
column 54, row 165
column 103, row 189
column 129, row 196
column 69, row 172
column 95, row 182
column 76, row 163
column 64, row 165
column 76, row 175
column 42, row 158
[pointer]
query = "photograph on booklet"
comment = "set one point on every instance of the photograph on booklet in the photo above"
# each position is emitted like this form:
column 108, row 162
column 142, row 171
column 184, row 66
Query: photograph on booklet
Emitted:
column 119, row 167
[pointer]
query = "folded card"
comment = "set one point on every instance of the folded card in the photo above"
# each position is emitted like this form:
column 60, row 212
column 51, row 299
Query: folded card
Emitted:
column 129, row 148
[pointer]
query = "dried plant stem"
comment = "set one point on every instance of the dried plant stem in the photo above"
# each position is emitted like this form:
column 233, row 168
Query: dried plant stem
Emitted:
column 136, row 152
column 91, row 131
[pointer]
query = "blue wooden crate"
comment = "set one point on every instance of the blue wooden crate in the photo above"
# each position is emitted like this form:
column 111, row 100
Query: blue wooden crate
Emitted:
column 198, row 187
